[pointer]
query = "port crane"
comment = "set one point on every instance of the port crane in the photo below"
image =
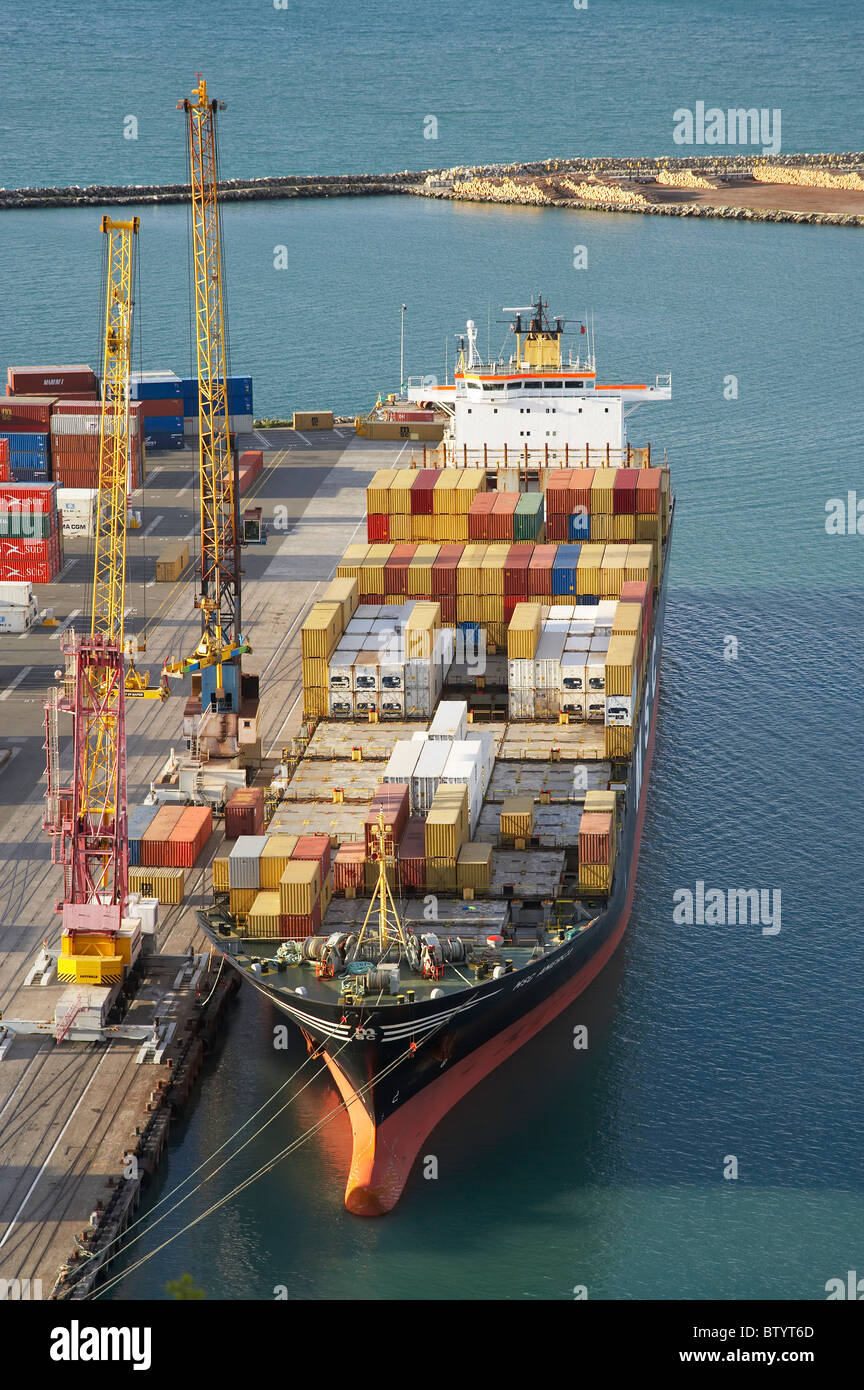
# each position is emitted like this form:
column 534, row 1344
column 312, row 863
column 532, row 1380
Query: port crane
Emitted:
column 87, row 818
column 217, row 655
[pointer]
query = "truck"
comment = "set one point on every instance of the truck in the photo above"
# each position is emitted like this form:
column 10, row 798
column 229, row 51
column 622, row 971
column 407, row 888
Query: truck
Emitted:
column 18, row 608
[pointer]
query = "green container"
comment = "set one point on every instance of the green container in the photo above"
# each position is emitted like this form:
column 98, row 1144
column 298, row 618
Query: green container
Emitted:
column 27, row 526
column 528, row 517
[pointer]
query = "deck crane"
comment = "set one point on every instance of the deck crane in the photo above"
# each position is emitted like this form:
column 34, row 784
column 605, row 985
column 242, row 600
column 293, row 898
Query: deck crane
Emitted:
column 87, row 818
column 217, row 655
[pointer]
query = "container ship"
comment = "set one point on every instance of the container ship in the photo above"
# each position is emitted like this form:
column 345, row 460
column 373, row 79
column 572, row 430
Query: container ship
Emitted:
column 480, row 695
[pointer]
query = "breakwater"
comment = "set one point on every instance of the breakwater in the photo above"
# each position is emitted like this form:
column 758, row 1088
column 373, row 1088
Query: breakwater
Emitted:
column 606, row 184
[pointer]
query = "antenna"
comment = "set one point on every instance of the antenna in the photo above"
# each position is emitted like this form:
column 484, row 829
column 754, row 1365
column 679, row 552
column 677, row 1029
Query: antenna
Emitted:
column 471, row 329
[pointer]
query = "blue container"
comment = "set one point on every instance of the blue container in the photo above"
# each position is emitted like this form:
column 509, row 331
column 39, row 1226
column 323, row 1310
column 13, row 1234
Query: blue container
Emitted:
column 587, row 598
column 580, row 527
column 164, row 441
column 163, row 424
column 26, row 443
column 138, row 822
column 238, row 395
column 564, row 569
column 167, row 387
column 29, row 475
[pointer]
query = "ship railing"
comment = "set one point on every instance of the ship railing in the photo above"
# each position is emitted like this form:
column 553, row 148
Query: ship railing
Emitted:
column 565, row 456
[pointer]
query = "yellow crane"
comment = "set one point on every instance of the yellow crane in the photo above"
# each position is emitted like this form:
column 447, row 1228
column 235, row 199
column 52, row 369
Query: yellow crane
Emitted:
column 218, row 595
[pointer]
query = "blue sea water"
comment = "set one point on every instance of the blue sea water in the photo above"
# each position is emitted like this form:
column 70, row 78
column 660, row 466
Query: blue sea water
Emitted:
column 562, row 1169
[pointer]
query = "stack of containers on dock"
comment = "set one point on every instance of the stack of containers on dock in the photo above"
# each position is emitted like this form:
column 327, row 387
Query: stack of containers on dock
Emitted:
column 75, row 427
column 161, row 400
column 31, row 539
column 77, row 381
column 238, row 390
column 139, row 818
column 5, row 473
column 596, row 848
column 244, row 812
column 244, row 872
column 426, row 504
column 25, row 425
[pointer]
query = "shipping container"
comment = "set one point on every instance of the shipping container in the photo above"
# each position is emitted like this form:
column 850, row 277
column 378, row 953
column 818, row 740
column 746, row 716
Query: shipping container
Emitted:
column 474, row 867
column 244, row 810
column 516, row 820
column 596, row 844
column 264, row 919
column 221, row 882
column 167, row 886
column 411, row 856
column 624, row 491
column 564, row 569
column 154, row 841
column 313, row 420
column 523, row 631
column 244, row 861
column 296, row 927
column 300, row 886
column 52, row 380
column 171, row 562
column 316, row 847
column 602, row 490
column 391, row 803
column 348, row 866
column 189, row 837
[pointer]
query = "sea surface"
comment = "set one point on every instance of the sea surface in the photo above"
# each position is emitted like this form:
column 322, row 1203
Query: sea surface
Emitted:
column 564, row 1169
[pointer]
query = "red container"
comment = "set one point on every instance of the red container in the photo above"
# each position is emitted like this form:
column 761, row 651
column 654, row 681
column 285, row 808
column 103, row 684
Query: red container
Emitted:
column 624, row 492
column 648, row 490
column 510, row 602
column 59, row 380
column 244, row 812
column 250, row 457
column 396, row 568
column 596, row 829
column 478, row 515
column 314, row 847
column 580, row 488
column 377, row 527
column 189, row 837
column 412, row 416
column 161, row 408
column 67, row 475
column 636, row 591
column 155, row 840
column 26, row 414
column 295, row 928
column 391, row 799
column 411, row 856
column 245, row 479
column 516, row 569
column 448, row 607
column 422, row 489
column 349, row 865
column 556, row 527
column 444, row 570
column 540, row 571
column 501, row 516
column 4, row 461
column 29, row 571
column 32, row 497
column 558, row 497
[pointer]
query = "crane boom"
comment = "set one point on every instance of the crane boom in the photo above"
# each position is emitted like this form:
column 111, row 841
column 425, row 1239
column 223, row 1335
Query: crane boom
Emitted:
column 218, row 595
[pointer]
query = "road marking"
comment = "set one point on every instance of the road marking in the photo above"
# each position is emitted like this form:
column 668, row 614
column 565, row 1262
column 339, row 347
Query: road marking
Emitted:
column 303, row 437
column 13, row 1223
column 22, row 635
column 68, row 623
column 17, row 681
column 261, row 439
column 153, row 524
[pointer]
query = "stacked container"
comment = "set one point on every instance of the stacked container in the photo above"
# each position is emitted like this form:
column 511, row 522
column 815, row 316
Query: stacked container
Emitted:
column 29, row 455
column 446, row 830
column 76, row 381
column 31, row 540
column 75, row 434
column 596, row 846
column 244, row 812
column 161, row 396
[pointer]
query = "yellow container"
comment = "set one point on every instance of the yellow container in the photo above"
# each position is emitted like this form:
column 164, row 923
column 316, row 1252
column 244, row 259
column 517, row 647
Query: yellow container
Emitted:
column 314, row 671
column 598, row 800
column 441, row 875
column 496, row 633
column 602, row 487
column 602, row 527
column 346, row 592
column 263, row 919
column 165, row 885
column 612, row 570
column 460, row 527
column 649, row 527
column 474, row 866
column 300, row 887
column 468, row 569
column 523, row 632
column 492, row 608
column 378, row 492
column 241, row 899
column 517, row 817
column 349, row 566
column 618, row 741
column 638, row 564
column 420, row 569
column 471, row 482
column 172, row 562
column 420, row 630
column 321, row 630
column 313, row 419
column 371, row 578
column 444, row 491
column 588, row 568
column 400, row 493
column 315, row 702
column 422, row 528
column 492, row 570
column 620, row 666
column 274, row 859
column 400, row 527
column 469, row 608
column 624, row 527
column 446, row 825
column 220, row 875
column 595, row 878
column 627, row 620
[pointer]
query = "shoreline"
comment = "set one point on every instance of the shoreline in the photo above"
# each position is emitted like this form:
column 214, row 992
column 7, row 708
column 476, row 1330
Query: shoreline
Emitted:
column 641, row 184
